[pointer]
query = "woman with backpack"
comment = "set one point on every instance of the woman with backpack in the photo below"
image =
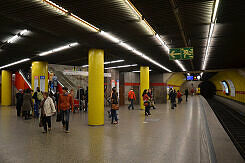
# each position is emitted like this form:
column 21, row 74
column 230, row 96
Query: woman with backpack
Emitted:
column 114, row 106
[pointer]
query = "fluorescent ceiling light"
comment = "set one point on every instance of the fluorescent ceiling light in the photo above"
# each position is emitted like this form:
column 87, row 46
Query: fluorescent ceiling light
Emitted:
column 73, row 17
column 211, row 29
column 58, row 49
column 17, row 36
column 215, row 10
column 105, row 34
column 110, row 37
column 162, row 42
column 148, row 27
column 55, row 6
column 85, row 66
column 110, row 62
column 139, row 71
column 124, row 66
column 134, row 9
column 180, row 65
column 87, row 24
column 15, row 63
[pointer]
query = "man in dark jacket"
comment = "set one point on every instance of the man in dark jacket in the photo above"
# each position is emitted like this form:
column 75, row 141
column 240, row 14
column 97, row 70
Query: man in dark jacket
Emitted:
column 19, row 101
column 186, row 94
column 172, row 96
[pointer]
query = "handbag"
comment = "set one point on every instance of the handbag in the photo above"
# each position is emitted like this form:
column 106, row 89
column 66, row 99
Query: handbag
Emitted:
column 59, row 117
column 115, row 106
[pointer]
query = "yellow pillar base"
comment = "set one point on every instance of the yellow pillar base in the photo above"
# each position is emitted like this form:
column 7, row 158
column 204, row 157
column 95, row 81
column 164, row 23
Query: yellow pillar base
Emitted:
column 6, row 91
column 96, row 88
column 144, row 83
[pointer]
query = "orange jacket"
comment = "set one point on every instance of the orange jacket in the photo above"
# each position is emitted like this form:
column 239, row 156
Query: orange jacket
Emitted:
column 65, row 102
column 131, row 95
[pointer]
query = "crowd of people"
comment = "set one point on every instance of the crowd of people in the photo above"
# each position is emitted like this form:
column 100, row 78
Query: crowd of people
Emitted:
column 47, row 104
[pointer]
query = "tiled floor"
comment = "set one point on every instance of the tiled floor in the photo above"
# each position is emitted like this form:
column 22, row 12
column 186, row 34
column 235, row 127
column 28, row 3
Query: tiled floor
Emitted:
column 166, row 136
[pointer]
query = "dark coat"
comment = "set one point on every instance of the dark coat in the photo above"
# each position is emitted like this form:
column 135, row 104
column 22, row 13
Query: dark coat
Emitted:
column 27, row 102
column 19, row 99
column 172, row 96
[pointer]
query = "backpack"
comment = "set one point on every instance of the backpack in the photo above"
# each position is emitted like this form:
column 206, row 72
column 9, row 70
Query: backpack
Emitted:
column 39, row 96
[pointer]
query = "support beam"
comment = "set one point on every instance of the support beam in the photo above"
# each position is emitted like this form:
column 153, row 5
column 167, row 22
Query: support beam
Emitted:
column 6, row 91
column 144, row 83
column 96, row 87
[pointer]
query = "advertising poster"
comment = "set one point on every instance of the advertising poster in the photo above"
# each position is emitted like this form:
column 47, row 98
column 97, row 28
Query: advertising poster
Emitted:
column 42, row 83
column 35, row 83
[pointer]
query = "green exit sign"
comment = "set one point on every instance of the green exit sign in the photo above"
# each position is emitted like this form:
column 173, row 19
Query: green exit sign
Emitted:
column 181, row 53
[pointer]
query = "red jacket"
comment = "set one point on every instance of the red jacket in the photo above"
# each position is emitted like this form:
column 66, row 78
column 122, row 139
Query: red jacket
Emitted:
column 145, row 97
column 131, row 95
column 179, row 95
column 65, row 102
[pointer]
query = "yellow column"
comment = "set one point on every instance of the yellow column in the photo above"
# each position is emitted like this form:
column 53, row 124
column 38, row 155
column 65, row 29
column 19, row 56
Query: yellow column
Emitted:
column 6, row 92
column 144, row 83
column 96, row 87
column 39, row 69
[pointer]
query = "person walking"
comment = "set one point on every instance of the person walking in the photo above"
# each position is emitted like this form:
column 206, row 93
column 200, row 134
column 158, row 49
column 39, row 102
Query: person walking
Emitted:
column 131, row 98
column 38, row 97
column 114, row 106
column 19, row 101
column 179, row 95
column 186, row 94
column 27, row 104
column 146, row 99
column 65, row 103
column 151, row 98
column 172, row 96
column 47, row 110
column 86, row 100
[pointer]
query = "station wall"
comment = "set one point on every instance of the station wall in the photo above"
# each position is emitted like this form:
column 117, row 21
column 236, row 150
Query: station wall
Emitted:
column 238, row 79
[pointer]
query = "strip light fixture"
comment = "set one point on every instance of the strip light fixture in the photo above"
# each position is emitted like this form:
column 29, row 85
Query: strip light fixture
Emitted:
column 109, row 62
column 180, row 65
column 16, row 37
column 211, row 30
column 124, row 66
column 163, row 43
column 139, row 71
column 68, row 46
column 15, row 63
column 107, row 35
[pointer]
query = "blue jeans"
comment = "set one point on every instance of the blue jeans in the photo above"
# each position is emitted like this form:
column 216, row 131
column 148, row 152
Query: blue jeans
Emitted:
column 113, row 115
column 65, row 118
column 131, row 104
column 36, row 109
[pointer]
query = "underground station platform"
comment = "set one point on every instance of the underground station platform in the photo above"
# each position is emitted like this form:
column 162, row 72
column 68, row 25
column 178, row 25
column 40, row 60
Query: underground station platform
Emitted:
column 189, row 133
column 122, row 81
